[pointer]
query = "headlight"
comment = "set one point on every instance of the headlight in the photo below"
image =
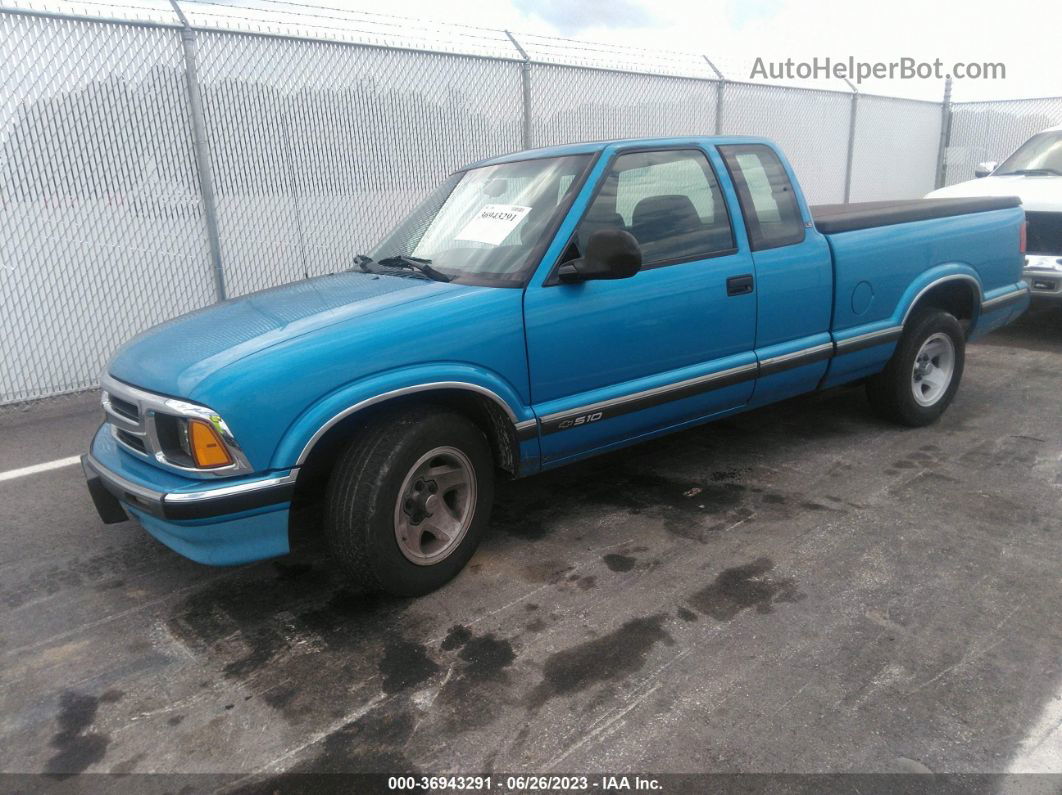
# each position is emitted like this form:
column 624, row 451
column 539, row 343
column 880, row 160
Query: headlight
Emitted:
column 194, row 441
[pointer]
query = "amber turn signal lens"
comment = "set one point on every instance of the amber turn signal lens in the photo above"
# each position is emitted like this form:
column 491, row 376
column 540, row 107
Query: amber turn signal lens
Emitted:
column 207, row 448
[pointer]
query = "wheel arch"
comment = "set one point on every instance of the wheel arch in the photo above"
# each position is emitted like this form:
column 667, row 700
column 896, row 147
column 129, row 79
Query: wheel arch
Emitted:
column 312, row 445
column 956, row 290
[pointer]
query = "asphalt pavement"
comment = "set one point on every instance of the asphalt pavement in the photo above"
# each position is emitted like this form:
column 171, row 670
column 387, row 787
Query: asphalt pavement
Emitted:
column 798, row 589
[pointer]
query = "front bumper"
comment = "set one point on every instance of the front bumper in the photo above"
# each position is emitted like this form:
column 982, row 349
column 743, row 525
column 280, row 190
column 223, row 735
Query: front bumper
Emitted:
column 203, row 504
column 214, row 522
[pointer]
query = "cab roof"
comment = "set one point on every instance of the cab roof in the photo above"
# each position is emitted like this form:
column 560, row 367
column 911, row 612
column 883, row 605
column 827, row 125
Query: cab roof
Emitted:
column 592, row 147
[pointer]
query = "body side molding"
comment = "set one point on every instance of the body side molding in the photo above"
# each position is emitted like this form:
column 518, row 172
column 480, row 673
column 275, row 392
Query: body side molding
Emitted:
column 1003, row 300
column 647, row 398
column 868, row 340
column 787, row 361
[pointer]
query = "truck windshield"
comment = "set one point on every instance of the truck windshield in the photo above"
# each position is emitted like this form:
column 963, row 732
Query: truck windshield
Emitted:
column 1041, row 154
column 483, row 226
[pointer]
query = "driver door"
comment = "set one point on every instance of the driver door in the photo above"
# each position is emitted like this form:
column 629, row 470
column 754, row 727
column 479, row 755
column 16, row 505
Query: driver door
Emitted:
column 613, row 360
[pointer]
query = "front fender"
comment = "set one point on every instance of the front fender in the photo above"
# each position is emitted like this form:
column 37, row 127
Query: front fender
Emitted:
column 314, row 422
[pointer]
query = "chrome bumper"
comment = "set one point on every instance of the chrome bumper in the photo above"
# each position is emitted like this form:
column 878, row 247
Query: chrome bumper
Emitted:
column 1044, row 283
column 180, row 505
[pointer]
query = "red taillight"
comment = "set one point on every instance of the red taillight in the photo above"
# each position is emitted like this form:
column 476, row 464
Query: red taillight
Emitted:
column 1021, row 237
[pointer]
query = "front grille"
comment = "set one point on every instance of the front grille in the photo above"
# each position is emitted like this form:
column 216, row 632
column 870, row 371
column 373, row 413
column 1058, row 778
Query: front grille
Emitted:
column 1044, row 233
column 125, row 408
column 136, row 442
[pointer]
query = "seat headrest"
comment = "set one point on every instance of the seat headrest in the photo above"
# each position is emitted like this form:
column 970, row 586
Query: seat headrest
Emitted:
column 597, row 219
column 658, row 217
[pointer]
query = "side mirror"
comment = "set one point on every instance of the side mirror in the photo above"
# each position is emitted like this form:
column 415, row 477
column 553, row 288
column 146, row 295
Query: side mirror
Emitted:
column 986, row 168
column 610, row 254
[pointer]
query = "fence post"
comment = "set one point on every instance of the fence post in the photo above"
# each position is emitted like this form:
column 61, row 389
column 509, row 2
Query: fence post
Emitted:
column 945, row 136
column 202, row 149
column 720, row 83
column 526, row 74
column 851, row 143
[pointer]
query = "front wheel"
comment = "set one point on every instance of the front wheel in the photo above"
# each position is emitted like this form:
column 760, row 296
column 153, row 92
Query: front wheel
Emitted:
column 409, row 499
column 921, row 378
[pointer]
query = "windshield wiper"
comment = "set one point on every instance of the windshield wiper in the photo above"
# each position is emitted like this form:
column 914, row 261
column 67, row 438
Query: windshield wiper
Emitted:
column 415, row 264
column 364, row 262
column 1031, row 172
column 367, row 264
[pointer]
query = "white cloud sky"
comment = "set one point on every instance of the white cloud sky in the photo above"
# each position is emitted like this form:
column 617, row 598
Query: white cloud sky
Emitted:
column 1022, row 34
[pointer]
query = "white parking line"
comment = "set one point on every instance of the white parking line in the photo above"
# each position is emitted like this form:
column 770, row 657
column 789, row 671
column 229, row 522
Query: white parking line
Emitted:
column 58, row 463
column 1041, row 750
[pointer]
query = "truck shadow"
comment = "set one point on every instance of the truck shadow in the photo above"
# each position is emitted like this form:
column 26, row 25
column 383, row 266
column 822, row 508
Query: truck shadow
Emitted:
column 1039, row 329
column 696, row 481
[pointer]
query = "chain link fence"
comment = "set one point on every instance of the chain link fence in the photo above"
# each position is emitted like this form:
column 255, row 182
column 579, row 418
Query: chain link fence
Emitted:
column 319, row 148
column 101, row 232
column 897, row 144
column 585, row 104
column 127, row 139
column 984, row 131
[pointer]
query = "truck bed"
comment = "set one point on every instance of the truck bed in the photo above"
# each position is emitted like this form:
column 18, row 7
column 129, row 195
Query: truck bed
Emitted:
column 834, row 218
column 881, row 249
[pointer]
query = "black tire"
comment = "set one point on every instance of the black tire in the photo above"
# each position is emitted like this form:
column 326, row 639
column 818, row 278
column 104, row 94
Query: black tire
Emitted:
column 890, row 391
column 360, row 506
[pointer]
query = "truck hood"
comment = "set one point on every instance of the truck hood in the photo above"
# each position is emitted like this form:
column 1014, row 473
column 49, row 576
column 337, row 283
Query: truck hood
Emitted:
column 173, row 358
column 1037, row 194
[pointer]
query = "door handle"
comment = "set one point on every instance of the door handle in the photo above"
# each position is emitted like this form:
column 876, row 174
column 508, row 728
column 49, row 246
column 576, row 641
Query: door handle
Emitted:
column 739, row 285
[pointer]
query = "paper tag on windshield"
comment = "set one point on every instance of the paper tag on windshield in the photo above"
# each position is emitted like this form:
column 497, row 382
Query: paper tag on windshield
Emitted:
column 493, row 223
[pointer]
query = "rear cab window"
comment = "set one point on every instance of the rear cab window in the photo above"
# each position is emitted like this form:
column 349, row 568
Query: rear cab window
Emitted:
column 768, row 201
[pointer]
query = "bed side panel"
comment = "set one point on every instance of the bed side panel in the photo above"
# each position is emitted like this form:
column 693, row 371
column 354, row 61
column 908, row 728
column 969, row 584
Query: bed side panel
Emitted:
column 874, row 268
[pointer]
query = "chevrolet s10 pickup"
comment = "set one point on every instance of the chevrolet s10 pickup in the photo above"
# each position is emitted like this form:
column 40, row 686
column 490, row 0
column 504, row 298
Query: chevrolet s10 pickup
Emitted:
column 536, row 309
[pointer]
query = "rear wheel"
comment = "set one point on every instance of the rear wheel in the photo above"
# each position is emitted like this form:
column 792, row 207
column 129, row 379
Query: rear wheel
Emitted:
column 409, row 500
column 921, row 378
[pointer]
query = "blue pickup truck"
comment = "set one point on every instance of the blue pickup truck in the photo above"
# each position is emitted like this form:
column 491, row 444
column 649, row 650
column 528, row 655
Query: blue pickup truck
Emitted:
column 538, row 308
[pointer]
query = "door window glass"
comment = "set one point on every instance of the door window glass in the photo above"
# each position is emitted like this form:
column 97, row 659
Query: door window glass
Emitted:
column 669, row 200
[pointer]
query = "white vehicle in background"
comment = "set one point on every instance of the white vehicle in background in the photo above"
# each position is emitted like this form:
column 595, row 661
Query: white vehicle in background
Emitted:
column 1034, row 174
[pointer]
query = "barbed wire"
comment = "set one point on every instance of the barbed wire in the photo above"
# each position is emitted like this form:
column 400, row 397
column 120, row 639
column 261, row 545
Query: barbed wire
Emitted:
column 403, row 21
column 372, row 28
column 399, row 26
column 361, row 12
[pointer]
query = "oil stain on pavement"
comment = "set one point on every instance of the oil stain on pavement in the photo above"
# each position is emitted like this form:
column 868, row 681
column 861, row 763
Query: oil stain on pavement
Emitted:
column 478, row 686
column 76, row 748
column 405, row 665
column 612, row 656
column 744, row 587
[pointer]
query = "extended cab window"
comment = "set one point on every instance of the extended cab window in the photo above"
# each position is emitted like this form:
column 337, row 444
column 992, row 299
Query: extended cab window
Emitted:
column 669, row 201
column 768, row 202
